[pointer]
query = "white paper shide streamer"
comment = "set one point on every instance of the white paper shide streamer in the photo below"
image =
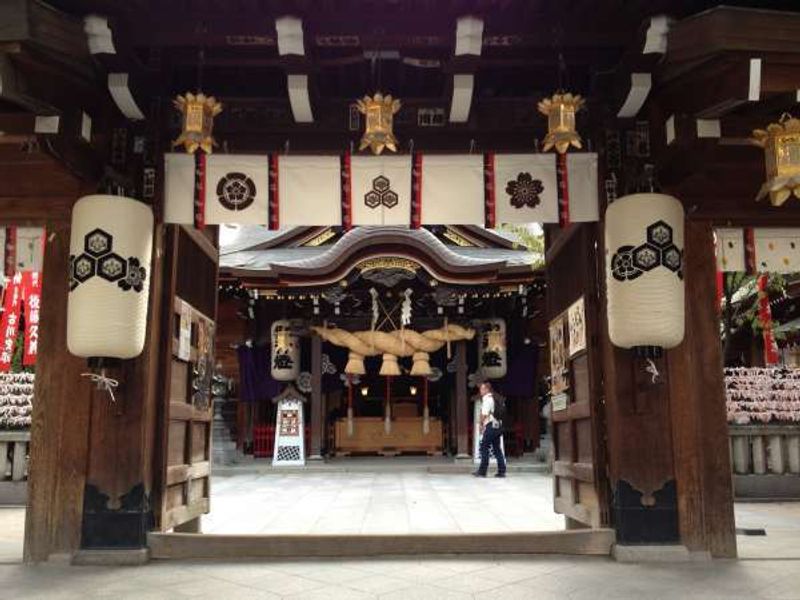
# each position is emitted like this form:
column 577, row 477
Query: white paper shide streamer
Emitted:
column 109, row 277
column 644, row 272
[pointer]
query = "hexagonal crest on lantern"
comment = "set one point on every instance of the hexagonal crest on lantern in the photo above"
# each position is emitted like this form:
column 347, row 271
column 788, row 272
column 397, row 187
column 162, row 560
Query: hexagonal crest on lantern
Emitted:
column 112, row 267
column 83, row 268
column 390, row 199
column 372, row 199
column 380, row 184
column 659, row 234
column 646, row 257
column 97, row 242
column 671, row 258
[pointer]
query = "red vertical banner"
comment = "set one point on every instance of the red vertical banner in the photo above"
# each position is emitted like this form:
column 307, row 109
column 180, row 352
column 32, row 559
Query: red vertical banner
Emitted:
column 489, row 181
column 563, row 188
column 416, row 192
column 9, row 323
column 347, row 192
column 274, row 195
column 32, row 283
column 771, row 354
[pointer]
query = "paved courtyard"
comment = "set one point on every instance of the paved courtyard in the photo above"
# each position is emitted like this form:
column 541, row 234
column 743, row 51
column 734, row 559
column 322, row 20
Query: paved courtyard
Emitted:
column 396, row 501
column 440, row 578
column 403, row 502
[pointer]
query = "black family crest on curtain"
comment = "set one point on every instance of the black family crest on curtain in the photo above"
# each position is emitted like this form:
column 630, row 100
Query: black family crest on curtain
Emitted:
column 524, row 191
column 236, row 191
column 381, row 193
column 630, row 262
column 98, row 259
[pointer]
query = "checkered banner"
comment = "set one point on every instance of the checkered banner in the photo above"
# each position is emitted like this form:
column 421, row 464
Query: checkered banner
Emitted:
column 449, row 189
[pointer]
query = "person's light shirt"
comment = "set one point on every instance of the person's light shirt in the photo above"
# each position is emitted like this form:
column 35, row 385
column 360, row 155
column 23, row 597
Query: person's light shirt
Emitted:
column 487, row 409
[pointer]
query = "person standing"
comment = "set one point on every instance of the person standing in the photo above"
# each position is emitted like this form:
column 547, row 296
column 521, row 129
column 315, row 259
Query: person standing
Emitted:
column 491, row 429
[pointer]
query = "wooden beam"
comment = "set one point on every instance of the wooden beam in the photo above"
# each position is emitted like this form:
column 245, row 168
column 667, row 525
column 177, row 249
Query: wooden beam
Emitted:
column 35, row 211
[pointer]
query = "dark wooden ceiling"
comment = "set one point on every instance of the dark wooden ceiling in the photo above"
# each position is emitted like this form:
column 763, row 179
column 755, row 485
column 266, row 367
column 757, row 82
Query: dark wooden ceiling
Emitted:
column 522, row 42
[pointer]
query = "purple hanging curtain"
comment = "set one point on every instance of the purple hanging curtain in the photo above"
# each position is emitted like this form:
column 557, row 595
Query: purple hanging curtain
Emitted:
column 255, row 382
column 520, row 379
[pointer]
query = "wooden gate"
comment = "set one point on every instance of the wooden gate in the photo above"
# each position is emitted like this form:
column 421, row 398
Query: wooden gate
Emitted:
column 184, row 467
column 579, row 480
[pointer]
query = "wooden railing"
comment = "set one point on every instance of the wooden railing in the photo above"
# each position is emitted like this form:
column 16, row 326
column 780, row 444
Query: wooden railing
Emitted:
column 766, row 460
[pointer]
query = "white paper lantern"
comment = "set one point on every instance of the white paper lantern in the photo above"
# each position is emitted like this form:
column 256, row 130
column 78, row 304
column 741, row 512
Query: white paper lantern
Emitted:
column 285, row 360
column 109, row 277
column 644, row 272
column 492, row 361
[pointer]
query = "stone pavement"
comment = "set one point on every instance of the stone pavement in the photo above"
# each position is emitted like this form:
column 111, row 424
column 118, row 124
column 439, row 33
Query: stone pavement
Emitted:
column 781, row 523
column 398, row 502
column 440, row 578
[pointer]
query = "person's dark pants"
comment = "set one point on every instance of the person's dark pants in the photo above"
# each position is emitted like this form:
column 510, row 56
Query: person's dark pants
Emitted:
column 492, row 437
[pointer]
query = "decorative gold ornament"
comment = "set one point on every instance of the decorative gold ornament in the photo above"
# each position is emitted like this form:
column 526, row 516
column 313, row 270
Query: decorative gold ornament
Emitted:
column 781, row 143
column 198, row 112
column 388, row 262
column 560, row 110
column 379, row 111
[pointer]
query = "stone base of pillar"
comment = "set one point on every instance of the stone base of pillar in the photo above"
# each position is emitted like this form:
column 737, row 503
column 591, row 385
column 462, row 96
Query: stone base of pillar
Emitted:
column 656, row 553
column 108, row 558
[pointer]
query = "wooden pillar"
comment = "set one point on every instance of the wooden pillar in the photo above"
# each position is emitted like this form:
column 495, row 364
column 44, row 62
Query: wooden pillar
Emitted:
column 59, row 436
column 462, row 411
column 118, row 499
column 697, row 402
column 316, row 398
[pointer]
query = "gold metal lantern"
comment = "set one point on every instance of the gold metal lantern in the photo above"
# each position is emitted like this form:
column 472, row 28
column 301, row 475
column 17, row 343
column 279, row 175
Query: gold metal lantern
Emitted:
column 560, row 110
column 198, row 112
column 379, row 111
column 781, row 143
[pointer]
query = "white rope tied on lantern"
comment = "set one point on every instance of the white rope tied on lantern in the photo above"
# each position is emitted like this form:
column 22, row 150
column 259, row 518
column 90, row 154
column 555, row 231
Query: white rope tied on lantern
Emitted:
column 103, row 383
column 652, row 369
column 426, row 421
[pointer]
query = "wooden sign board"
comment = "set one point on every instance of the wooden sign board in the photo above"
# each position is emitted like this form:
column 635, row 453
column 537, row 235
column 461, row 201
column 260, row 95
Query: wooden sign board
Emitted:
column 558, row 356
column 576, row 324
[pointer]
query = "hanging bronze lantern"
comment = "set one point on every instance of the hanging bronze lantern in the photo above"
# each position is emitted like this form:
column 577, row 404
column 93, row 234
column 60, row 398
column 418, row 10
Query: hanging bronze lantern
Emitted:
column 560, row 110
column 781, row 143
column 198, row 112
column 378, row 132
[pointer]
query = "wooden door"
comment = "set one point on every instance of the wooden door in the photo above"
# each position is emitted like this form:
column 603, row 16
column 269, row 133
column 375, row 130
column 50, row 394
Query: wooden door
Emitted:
column 187, row 368
column 579, row 480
